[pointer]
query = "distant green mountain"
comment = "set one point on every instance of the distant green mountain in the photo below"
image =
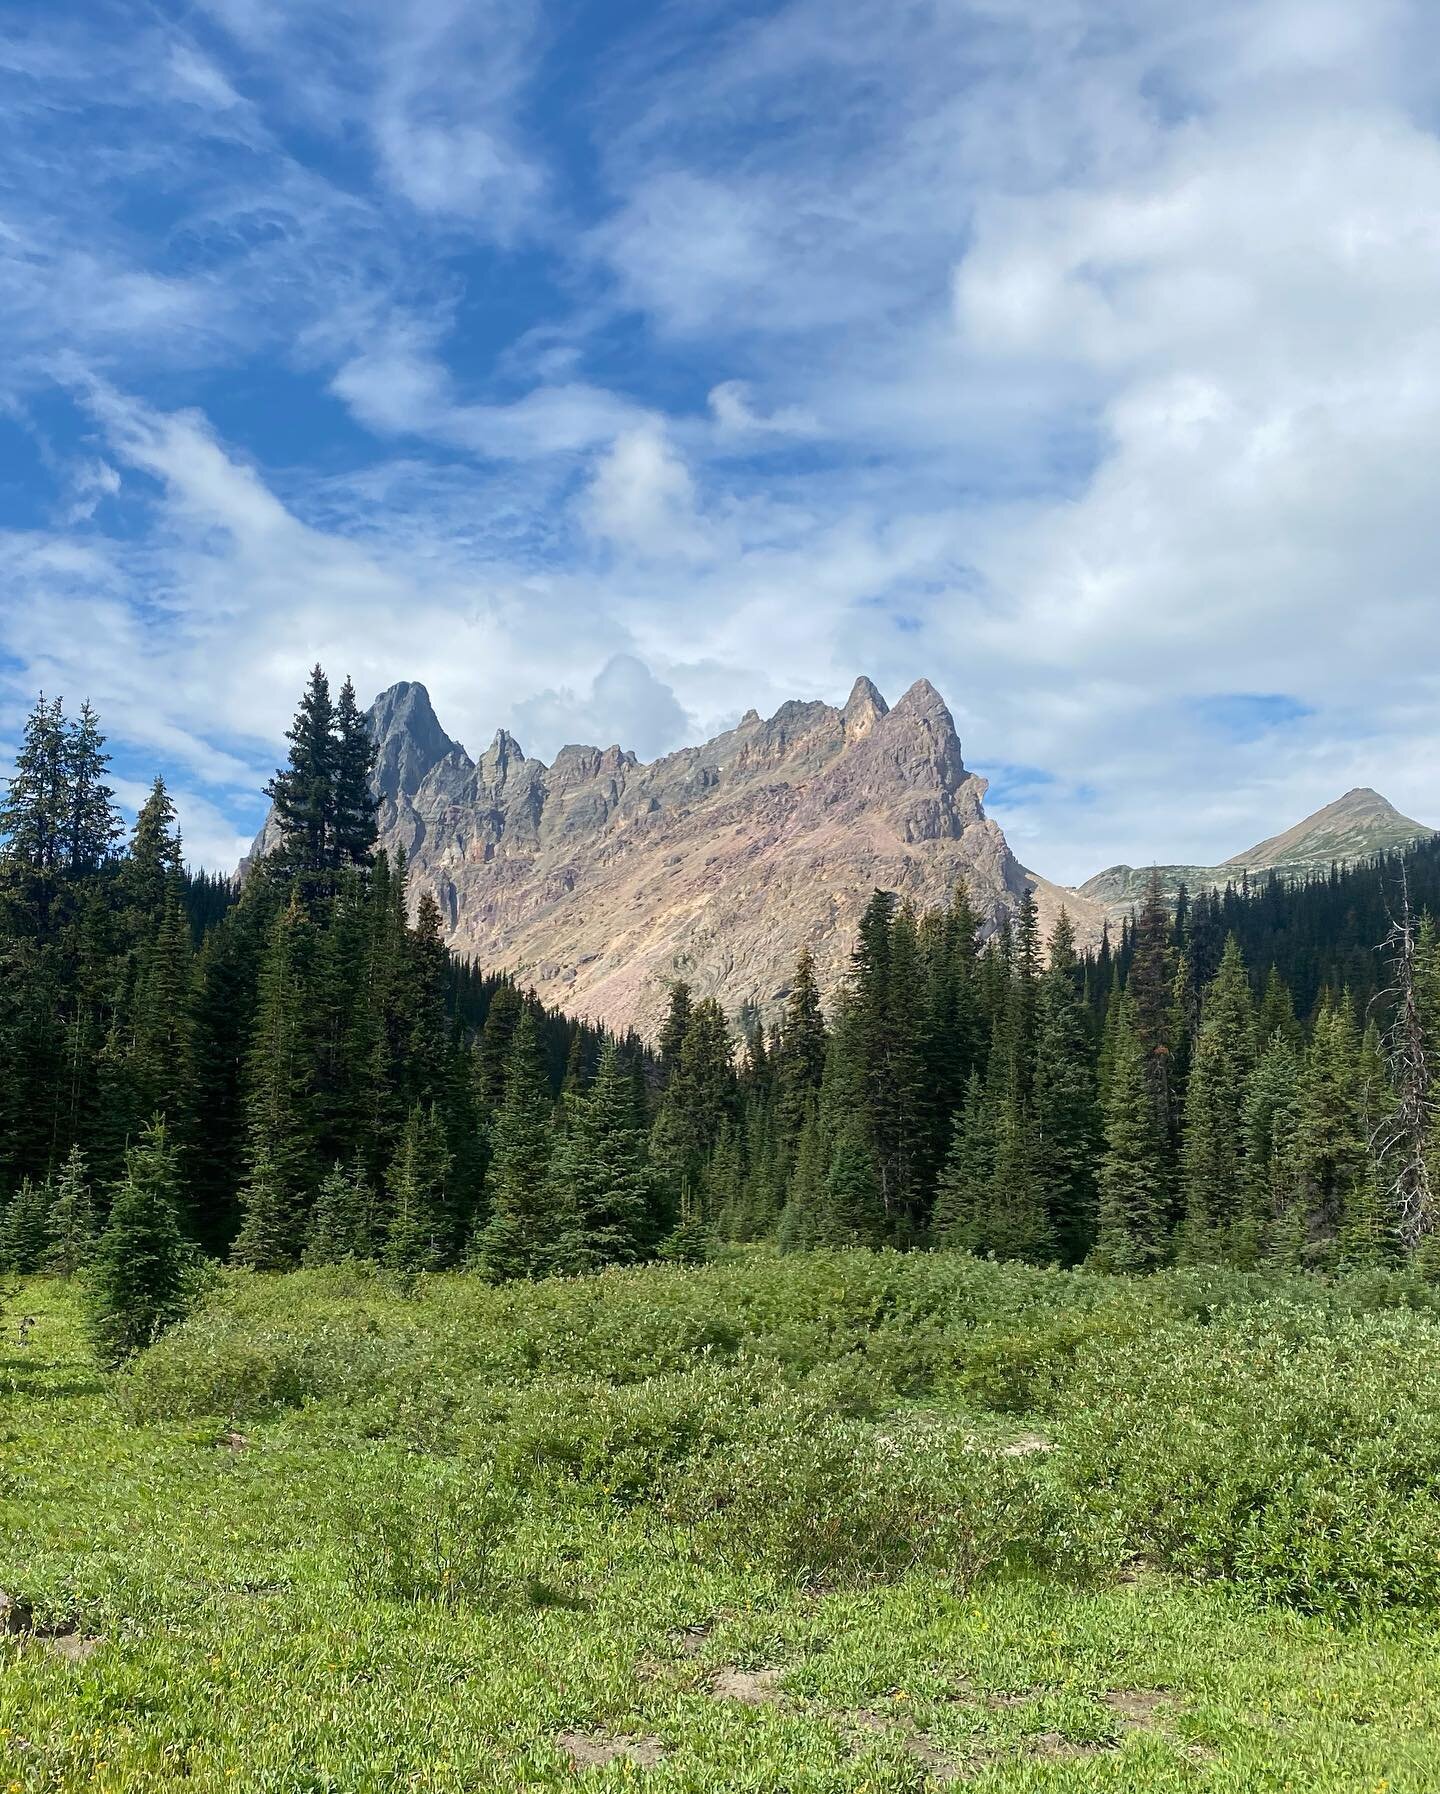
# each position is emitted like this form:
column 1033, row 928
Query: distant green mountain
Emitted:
column 1352, row 828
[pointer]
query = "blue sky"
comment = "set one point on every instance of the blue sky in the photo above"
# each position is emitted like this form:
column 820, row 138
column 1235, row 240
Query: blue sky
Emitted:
column 614, row 369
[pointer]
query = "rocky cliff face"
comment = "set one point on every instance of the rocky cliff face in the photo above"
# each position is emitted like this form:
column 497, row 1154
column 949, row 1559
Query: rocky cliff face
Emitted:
column 599, row 879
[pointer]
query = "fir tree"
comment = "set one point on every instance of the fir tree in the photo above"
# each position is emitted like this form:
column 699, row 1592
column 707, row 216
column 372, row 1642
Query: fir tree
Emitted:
column 355, row 802
column 25, row 1229
column 1066, row 1110
column 152, row 867
column 91, row 825
column 1130, row 1223
column 70, row 1224
column 303, row 794
column 801, row 1061
column 599, row 1175
column 420, row 1233
column 341, row 1223
column 140, row 1273
column 278, row 1138
column 961, row 1217
column 1212, row 1167
column 531, row 1230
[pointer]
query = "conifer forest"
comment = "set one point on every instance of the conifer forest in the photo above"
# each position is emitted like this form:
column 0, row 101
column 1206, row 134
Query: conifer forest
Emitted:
column 308, row 1075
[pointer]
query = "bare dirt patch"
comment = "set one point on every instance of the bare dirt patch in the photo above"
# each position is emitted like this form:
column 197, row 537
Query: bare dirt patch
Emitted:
column 1137, row 1709
column 939, row 1766
column 594, row 1750
column 1055, row 1747
column 756, row 1687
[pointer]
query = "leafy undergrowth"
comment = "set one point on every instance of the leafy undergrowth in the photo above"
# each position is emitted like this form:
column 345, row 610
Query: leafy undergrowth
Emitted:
column 822, row 1523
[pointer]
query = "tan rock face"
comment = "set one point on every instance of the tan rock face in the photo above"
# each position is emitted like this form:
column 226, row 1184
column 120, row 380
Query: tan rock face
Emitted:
column 600, row 880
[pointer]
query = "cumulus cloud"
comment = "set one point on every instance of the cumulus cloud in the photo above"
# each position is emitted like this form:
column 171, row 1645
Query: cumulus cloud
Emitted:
column 626, row 706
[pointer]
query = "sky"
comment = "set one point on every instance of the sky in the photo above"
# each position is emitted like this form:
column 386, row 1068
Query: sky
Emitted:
column 614, row 369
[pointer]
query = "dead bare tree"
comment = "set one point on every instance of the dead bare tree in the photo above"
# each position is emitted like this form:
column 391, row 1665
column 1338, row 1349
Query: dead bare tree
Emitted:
column 1401, row 1135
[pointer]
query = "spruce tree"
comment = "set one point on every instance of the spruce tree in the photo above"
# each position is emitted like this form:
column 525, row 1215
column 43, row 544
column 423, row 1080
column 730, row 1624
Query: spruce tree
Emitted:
column 1212, row 1166
column 1332, row 1161
column 420, row 1231
column 35, row 817
column 355, row 802
column 341, row 1224
column 91, row 824
column 303, row 794
column 1267, row 1225
column 531, row 1231
column 278, row 1077
column 1130, row 1226
column 961, row 1217
column 152, row 865
column 1066, row 1110
column 25, row 1228
column 70, row 1224
column 139, row 1275
column 1154, row 1019
column 801, row 1061
column 599, row 1173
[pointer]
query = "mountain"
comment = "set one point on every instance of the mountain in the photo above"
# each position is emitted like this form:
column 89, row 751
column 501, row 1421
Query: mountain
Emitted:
column 600, row 879
column 1354, row 827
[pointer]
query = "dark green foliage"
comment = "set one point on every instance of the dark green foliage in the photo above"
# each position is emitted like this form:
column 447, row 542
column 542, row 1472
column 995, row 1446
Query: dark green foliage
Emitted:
column 70, row 1224
column 342, row 1222
column 25, row 1229
column 142, row 1267
column 1130, row 1230
column 421, row 1231
column 532, row 1230
column 600, row 1175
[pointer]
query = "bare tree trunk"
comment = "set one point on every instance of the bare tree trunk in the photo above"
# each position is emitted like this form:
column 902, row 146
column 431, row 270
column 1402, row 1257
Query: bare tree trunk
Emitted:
column 1401, row 1139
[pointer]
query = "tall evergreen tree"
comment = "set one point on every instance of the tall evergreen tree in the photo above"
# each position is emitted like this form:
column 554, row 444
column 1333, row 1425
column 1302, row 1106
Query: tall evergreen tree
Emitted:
column 70, row 1224
column 421, row 1229
column 279, row 1142
column 1130, row 1226
column 1067, row 1118
column 1212, row 1167
column 356, row 804
column 599, row 1173
column 138, row 1277
column 531, row 1230
column 303, row 794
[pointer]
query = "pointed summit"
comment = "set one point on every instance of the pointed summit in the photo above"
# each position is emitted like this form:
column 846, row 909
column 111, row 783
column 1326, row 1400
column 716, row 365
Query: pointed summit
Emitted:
column 1355, row 825
column 408, row 738
column 863, row 709
column 922, row 700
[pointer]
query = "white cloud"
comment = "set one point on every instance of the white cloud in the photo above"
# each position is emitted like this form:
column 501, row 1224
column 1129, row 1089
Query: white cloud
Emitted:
column 642, row 498
column 1079, row 357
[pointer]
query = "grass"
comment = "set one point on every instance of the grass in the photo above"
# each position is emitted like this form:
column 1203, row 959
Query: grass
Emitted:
column 336, row 1534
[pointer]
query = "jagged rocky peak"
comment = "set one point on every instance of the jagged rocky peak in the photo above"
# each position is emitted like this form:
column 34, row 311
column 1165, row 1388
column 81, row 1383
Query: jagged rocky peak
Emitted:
column 600, row 879
column 863, row 709
column 409, row 740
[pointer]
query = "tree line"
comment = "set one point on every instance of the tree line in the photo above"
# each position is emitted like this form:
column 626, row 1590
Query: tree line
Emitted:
column 301, row 1072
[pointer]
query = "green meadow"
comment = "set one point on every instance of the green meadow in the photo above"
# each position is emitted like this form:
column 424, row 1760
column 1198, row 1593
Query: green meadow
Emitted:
column 820, row 1523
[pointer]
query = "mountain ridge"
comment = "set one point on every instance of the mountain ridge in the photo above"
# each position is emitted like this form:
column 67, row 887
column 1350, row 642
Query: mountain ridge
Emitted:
column 599, row 879
column 1351, row 827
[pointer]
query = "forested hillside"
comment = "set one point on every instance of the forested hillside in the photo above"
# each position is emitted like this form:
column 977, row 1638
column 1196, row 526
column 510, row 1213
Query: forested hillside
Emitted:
column 304, row 1072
